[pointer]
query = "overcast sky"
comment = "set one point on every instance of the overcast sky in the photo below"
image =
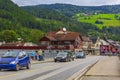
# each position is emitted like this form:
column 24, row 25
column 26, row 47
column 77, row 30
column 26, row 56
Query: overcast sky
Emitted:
column 74, row 2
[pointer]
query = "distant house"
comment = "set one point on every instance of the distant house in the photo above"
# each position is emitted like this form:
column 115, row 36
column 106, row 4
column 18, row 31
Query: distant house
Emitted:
column 18, row 44
column 96, row 42
column 12, row 44
column 86, row 42
column 91, row 45
column 61, row 40
column 1, row 43
column 29, row 44
column 109, row 47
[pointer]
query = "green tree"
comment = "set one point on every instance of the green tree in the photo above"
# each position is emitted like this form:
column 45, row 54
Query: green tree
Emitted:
column 36, row 35
column 8, row 36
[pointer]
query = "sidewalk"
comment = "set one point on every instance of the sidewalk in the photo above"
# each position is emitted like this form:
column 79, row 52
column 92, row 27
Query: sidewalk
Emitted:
column 44, row 61
column 106, row 69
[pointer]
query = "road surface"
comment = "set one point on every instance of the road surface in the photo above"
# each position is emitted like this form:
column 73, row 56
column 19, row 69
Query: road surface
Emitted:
column 50, row 70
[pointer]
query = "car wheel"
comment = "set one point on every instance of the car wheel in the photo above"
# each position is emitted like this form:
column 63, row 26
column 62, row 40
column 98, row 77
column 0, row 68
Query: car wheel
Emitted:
column 55, row 60
column 28, row 66
column 69, row 60
column 66, row 60
column 73, row 59
column 17, row 67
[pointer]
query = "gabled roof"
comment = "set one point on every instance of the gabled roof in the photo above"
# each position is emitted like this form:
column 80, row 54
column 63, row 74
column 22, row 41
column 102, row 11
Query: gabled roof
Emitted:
column 51, row 38
column 62, row 35
column 94, row 39
column 86, row 39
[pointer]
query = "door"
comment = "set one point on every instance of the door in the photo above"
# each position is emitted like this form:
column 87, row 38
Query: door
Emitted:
column 22, row 59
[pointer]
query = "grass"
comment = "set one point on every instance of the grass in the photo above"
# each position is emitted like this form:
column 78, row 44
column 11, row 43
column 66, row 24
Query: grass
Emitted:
column 107, row 19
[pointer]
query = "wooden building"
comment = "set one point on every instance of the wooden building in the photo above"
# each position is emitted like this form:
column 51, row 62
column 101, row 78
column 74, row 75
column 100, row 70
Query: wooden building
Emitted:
column 61, row 40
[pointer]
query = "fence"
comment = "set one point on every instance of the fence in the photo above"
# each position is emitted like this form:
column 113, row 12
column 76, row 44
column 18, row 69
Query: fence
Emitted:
column 47, row 54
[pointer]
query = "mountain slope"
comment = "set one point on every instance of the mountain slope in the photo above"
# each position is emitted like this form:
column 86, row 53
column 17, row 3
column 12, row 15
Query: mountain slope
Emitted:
column 24, row 25
column 14, row 18
column 46, row 13
column 10, row 11
column 57, row 19
column 70, row 10
column 71, row 23
column 100, row 20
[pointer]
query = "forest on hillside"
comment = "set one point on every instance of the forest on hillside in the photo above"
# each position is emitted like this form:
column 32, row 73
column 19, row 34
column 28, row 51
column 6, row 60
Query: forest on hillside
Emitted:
column 70, row 10
column 31, row 23
column 65, row 13
column 15, row 21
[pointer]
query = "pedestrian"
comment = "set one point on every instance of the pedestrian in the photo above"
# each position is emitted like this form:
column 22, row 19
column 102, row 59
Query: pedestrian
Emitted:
column 36, row 55
column 32, row 54
column 40, row 55
column 43, row 55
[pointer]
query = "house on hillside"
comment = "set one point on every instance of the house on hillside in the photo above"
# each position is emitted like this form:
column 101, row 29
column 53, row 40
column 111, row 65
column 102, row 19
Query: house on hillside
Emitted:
column 61, row 40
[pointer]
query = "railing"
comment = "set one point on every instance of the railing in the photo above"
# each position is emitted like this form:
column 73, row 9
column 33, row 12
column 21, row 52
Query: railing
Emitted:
column 53, row 47
column 61, row 47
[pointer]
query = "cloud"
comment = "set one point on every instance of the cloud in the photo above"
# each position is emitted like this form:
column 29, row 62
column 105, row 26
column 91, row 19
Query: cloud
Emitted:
column 74, row 2
column 105, row 2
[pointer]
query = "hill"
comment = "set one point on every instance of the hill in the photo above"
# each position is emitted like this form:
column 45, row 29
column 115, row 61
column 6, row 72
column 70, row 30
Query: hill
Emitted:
column 70, row 10
column 19, row 22
column 67, row 18
column 54, row 19
column 100, row 20
column 46, row 13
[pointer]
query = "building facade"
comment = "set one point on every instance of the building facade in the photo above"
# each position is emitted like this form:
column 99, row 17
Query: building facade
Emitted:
column 109, row 47
column 61, row 40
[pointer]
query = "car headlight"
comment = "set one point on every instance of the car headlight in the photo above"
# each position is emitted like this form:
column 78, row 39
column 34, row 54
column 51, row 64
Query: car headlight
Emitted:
column 13, row 62
column 63, row 57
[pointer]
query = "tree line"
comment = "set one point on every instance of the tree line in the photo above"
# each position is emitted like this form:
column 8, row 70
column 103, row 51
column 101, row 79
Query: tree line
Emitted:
column 31, row 24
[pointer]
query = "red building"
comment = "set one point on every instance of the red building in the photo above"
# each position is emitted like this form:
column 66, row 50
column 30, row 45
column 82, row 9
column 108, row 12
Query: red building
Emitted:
column 61, row 40
column 109, row 48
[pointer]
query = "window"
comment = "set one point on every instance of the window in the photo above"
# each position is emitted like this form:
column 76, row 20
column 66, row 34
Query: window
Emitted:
column 22, row 54
column 43, row 43
column 52, row 43
column 67, row 43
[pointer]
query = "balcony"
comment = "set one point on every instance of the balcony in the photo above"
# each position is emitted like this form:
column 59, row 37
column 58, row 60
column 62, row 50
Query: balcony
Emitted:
column 59, row 47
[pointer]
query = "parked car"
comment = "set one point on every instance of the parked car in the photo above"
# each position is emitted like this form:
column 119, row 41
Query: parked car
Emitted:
column 15, row 60
column 64, row 56
column 80, row 54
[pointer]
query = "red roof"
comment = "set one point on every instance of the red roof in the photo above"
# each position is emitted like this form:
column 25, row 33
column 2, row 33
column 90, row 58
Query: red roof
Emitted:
column 62, row 35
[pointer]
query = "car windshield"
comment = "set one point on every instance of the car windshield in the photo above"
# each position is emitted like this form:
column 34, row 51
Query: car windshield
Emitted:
column 80, row 53
column 61, row 54
column 10, row 54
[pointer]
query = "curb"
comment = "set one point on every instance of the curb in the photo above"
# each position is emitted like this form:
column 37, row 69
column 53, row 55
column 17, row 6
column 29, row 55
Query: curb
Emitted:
column 80, row 74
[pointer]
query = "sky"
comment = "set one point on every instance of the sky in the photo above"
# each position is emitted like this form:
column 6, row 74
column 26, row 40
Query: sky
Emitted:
column 73, row 2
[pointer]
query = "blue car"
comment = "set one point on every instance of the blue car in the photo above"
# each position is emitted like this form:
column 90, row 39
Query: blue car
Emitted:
column 15, row 60
column 80, row 55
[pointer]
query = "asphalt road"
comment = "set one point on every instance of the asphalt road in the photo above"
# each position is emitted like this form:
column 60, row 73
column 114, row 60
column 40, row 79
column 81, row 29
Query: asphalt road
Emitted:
column 50, row 70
